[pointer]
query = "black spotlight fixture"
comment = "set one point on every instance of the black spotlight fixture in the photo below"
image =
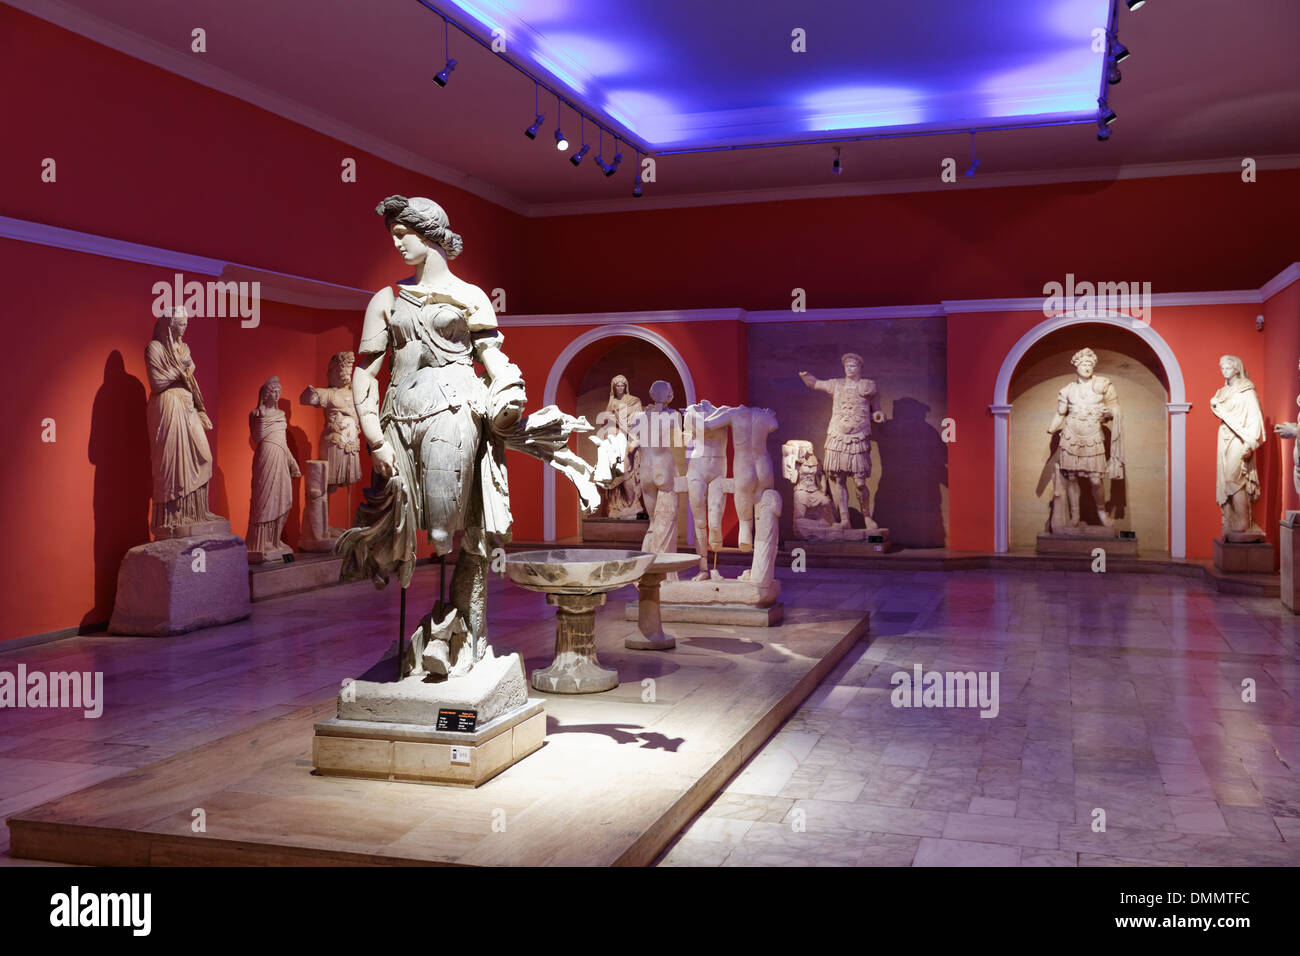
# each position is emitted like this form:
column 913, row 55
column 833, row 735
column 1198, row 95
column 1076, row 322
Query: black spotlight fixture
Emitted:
column 539, row 119
column 1103, row 132
column 836, row 166
column 581, row 154
column 561, row 143
column 1112, row 72
column 1136, row 4
column 1118, row 51
column 1108, row 116
column 618, row 158
column 606, row 168
column 636, row 189
column 445, row 73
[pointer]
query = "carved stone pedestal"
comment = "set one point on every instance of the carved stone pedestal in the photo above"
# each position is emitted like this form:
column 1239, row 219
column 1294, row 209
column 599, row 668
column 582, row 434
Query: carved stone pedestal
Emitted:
column 1241, row 557
column 1290, row 541
column 575, row 669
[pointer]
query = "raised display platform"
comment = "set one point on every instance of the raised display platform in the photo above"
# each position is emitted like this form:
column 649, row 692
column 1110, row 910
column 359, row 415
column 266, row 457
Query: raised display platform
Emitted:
column 619, row 774
column 305, row 572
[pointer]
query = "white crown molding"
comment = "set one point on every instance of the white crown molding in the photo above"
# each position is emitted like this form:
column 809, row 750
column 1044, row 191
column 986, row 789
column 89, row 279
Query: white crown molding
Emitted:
column 275, row 286
column 1195, row 167
column 1279, row 282
column 200, row 71
column 624, row 318
column 845, row 315
column 1165, row 299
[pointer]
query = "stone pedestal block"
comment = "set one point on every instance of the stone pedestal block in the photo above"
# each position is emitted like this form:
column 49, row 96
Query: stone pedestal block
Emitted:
column 1290, row 542
column 421, row 754
column 181, row 584
column 1112, row 544
column 1243, row 558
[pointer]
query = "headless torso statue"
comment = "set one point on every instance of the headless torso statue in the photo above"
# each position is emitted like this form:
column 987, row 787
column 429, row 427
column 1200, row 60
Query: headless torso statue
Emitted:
column 1081, row 408
column 848, row 436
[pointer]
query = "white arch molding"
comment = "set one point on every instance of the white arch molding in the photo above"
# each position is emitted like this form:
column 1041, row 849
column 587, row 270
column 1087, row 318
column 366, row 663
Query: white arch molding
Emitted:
column 553, row 384
column 1177, row 408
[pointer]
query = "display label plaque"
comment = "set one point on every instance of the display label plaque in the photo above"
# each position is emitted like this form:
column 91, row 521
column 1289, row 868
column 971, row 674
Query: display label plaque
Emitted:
column 461, row 721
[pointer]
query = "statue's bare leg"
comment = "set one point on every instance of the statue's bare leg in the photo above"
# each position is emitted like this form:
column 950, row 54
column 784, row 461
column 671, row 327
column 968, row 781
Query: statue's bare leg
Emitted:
column 840, row 490
column 864, row 500
column 1099, row 496
column 697, row 494
column 469, row 597
column 1072, row 496
column 745, row 511
column 717, row 502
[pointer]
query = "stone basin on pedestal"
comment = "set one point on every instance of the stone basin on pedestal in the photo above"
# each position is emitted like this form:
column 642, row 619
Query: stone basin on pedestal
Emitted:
column 650, row 635
column 575, row 581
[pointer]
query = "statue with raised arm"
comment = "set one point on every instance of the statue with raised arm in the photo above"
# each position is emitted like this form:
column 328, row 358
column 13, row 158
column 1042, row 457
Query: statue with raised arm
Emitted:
column 1292, row 430
column 1241, row 431
column 1082, row 407
column 178, row 423
column 847, row 457
column 439, row 433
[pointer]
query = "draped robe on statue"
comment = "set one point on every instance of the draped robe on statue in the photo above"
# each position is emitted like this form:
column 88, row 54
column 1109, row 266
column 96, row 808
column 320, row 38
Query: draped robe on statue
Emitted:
column 272, row 495
column 1241, row 432
column 181, row 457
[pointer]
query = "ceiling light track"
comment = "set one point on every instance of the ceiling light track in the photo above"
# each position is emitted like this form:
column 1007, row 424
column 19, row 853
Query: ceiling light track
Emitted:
column 540, row 83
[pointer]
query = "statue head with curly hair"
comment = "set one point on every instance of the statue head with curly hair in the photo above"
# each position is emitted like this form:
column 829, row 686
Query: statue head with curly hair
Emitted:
column 425, row 218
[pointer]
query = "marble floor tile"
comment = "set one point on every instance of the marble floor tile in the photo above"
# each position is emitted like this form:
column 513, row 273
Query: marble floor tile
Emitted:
column 943, row 852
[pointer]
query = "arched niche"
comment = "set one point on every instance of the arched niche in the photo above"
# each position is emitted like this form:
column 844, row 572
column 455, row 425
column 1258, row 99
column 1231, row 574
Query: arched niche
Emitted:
column 574, row 376
column 1176, row 409
column 1138, row 501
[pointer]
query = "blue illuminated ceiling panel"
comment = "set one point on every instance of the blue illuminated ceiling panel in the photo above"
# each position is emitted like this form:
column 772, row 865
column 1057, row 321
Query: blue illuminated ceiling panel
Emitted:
column 686, row 74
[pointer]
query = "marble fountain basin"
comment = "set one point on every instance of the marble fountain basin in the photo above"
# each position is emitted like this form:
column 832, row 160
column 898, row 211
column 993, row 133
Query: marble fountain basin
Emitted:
column 575, row 581
column 577, row 570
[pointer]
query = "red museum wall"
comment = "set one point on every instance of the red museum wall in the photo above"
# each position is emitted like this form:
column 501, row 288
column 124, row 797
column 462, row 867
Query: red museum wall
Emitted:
column 157, row 159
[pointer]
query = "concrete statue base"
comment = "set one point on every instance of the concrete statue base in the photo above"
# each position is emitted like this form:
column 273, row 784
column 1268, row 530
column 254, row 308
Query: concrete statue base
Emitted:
column 181, row 584
column 420, row 753
column 1239, row 557
column 1084, row 540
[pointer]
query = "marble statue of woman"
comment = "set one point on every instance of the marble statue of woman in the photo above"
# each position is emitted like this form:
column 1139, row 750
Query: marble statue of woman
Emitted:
column 439, row 434
column 340, row 440
column 273, row 472
column 1081, row 408
column 660, row 431
column 181, row 456
column 854, row 406
column 1292, row 430
column 623, row 500
column 1241, row 431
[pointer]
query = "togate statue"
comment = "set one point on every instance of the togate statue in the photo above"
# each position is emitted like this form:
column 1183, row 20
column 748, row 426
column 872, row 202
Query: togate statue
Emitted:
column 438, row 436
column 178, row 426
column 1082, row 407
column 1241, row 431
column 273, row 472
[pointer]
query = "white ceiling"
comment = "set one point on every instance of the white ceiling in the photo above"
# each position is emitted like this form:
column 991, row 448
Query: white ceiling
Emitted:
column 1209, row 82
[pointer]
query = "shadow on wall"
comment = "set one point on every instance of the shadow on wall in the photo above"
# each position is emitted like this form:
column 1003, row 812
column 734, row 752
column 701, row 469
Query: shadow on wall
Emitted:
column 913, row 470
column 119, row 451
column 300, row 448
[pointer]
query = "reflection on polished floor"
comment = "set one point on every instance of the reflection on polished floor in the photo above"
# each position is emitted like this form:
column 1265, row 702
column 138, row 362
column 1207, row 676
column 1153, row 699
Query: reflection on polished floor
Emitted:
column 1116, row 692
